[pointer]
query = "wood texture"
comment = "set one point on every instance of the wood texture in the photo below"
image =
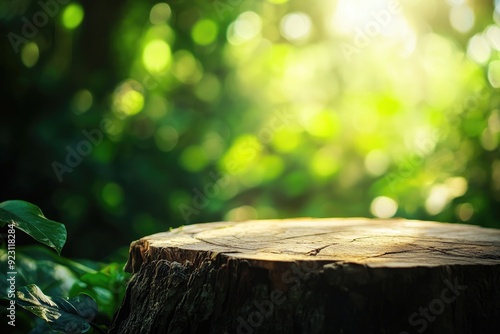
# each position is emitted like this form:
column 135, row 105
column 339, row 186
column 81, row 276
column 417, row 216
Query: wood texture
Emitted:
column 314, row 276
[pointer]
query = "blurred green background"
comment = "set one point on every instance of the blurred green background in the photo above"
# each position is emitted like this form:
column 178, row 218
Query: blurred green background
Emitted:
column 125, row 118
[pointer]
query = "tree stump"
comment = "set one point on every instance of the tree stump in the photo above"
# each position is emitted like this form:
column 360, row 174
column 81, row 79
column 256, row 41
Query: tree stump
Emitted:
column 314, row 276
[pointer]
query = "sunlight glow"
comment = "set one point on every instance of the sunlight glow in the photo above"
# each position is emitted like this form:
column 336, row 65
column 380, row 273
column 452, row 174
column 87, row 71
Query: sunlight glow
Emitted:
column 243, row 152
column 377, row 162
column 357, row 14
column 323, row 124
column 286, row 140
column 478, row 49
column 160, row 13
column 437, row 199
column 494, row 73
column 325, row 162
column 128, row 99
column 364, row 21
column 245, row 28
column 383, row 207
column 72, row 16
column 296, row 26
column 194, row 158
column 489, row 140
column 457, row 186
column 247, row 25
column 156, row 56
column 464, row 211
column 186, row 67
column 381, row 95
column 245, row 212
column 462, row 18
column 493, row 35
column 455, row 2
column 30, row 54
column 82, row 101
column 204, row 32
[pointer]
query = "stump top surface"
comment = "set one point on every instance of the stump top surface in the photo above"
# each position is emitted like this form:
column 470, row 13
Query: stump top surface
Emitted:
column 373, row 242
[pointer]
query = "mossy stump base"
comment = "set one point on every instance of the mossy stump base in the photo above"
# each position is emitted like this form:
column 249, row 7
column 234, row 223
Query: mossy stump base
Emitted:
column 314, row 276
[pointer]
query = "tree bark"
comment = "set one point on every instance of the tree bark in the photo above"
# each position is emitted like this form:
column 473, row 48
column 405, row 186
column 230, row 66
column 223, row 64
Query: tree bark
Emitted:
column 314, row 276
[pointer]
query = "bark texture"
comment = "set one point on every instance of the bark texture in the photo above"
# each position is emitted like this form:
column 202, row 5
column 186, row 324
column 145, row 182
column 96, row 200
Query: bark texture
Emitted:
column 314, row 276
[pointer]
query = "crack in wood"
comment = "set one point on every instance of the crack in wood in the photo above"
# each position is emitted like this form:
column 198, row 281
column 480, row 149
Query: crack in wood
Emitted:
column 316, row 251
column 221, row 245
column 310, row 235
column 432, row 239
column 390, row 253
column 432, row 249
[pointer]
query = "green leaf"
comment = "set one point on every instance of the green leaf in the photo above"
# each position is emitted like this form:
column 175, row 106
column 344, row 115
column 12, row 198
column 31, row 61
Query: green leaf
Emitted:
column 97, row 279
column 83, row 305
column 107, row 287
column 30, row 219
column 69, row 316
column 39, row 253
